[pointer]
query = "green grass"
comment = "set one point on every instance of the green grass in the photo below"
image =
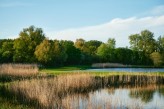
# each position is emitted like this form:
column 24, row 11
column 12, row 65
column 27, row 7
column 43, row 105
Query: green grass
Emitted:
column 71, row 70
column 64, row 70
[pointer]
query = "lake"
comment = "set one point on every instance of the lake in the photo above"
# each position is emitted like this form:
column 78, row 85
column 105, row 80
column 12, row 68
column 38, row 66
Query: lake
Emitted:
column 128, row 69
column 145, row 97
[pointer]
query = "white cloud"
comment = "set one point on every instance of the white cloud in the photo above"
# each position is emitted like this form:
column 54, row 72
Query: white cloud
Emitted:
column 118, row 28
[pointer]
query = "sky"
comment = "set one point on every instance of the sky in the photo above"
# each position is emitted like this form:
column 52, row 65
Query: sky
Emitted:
column 87, row 19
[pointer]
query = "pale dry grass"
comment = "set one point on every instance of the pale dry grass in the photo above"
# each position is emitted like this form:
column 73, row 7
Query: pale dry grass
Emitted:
column 48, row 92
column 18, row 69
column 58, row 92
column 108, row 65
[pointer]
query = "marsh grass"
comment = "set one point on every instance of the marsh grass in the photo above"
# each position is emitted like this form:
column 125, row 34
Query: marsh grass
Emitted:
column 11, row 72
column 108, row 65
column 18, row 69
column 47, row 93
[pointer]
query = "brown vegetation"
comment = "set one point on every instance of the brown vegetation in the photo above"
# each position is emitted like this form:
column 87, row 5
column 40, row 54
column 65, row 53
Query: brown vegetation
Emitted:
column 109, row 65
column 53, row 92
column 18, row 69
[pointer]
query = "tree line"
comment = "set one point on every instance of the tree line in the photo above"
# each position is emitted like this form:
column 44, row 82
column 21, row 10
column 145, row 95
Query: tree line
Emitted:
column 33, row 47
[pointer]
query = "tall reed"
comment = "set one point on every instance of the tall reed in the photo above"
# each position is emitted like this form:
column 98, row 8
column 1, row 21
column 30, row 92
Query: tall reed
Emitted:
column 47, row 93
column 18, row 69
column 50, row 92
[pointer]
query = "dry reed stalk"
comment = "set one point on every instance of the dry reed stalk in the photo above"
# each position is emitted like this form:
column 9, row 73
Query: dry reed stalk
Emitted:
column 108, row 65
column 18, row 69
column 50, row 91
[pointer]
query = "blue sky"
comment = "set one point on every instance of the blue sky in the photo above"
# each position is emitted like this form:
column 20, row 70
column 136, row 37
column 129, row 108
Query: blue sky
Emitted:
column 88, row 19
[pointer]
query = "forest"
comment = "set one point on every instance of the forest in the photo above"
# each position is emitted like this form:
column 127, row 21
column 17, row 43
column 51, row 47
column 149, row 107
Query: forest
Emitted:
column 32, row 46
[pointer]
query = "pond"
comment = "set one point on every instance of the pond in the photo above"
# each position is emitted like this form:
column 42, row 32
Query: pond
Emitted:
column 128, row 69
column 145, row 97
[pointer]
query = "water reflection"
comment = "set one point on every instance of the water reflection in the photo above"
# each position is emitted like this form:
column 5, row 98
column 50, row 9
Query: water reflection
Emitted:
column 128, row 69
column 147, row 97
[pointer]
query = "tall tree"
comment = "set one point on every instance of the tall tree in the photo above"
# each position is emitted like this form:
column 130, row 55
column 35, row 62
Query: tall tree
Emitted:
column 59, row 53
column 26, row 44
column 106, row 52
column 102, row 52
column 134, row 42
column 156, row 58
column 7, row 51
column 44, row 52
column 80, row 44
column 143, row 42
column 160, row 44
column 111, row 43
column 73, row 54
column 92, row 46
column 147, row 43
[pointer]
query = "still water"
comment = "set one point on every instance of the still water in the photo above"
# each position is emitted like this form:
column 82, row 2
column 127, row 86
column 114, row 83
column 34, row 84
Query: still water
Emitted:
column 129, row 69
column 147, row 97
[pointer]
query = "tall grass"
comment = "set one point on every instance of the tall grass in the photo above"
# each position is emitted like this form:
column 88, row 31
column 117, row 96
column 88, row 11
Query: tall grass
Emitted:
column 107, row 65
column 18, row 69
column 46, row 93
column 51, row 92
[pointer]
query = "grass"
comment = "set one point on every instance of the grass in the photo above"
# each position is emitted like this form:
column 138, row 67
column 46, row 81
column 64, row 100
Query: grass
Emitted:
column 18, row 69
column 44, row 93
column 64, row 70
column 69, row 70
column 47, row 93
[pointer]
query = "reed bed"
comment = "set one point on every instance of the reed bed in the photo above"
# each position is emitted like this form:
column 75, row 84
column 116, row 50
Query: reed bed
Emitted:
column 47, row 93
column 18, row 69
column 108, row 65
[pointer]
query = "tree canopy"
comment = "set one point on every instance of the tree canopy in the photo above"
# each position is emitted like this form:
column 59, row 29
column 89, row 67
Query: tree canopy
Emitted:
column 33, row 47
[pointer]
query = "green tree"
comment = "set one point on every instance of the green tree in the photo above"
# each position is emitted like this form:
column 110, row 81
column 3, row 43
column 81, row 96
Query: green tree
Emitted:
column 106, row 52
column 156, row 58
column 85, row 56
column 160, row 44
column 111, row 43
column 44, row 52
column 73, row 54
column 147, row 43
column 102, row 52
column 51, row 53
column 123, row 55
column 92, row 46
column 7, row 51
column 134, row 42
column 59, row 53
column 80, row 44
column 21, row 49
column 26, row 44
column 143, row 42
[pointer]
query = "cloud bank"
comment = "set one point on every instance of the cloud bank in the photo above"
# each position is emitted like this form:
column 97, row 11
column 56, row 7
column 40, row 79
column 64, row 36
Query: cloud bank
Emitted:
column 117, row 28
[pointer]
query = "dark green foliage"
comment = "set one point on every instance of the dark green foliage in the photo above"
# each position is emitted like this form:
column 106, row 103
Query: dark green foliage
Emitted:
column 7, row 51
column 73, row 54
